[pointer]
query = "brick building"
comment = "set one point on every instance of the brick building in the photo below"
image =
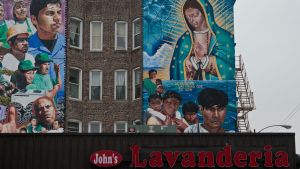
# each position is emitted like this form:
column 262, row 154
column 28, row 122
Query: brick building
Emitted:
column 104, row 65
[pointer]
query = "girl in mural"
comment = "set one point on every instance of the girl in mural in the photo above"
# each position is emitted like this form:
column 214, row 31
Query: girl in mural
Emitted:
column 205, row 51
column 20, row 16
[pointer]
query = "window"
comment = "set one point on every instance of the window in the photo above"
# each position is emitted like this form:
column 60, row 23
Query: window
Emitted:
column 74, row 126
column 95, row 127
column 120, row 85
column 120, row 127
column 76, row 33
column 95, row 85
column 96, row 38
column 121, row 35
column 136, row 84
column 75, row 83
column 136, row 33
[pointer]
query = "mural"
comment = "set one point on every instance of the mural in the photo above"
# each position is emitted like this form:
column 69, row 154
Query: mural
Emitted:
column 189, row 43
column 32, row 60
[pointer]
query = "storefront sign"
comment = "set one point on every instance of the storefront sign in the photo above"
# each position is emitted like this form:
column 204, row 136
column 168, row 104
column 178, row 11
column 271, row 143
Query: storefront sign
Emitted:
column 106, row 158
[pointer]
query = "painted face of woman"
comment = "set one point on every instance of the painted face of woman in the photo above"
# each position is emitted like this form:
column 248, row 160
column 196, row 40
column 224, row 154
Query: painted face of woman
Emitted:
column 195, row 18
column 20, row 11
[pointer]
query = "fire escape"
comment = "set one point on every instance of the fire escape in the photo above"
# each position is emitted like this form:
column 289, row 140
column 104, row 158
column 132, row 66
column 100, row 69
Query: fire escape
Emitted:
column 245, row 96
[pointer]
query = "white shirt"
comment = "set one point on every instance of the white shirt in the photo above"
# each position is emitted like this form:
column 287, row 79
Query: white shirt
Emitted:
column 10, row 62
column 197, row 128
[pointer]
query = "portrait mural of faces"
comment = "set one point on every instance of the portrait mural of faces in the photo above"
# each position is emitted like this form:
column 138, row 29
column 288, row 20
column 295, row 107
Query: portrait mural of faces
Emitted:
column 190, row 42
column 32, row 66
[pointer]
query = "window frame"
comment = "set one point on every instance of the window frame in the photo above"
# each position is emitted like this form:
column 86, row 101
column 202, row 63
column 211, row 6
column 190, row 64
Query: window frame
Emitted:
column 75, row 121
column 126, row 35
column 90, row 84
column 100, row 126
column 133, row 83
column 137, row 20
column 115, row 84
column 80, row 85
column 115, row 126
column 91, row 40
column 80, row 33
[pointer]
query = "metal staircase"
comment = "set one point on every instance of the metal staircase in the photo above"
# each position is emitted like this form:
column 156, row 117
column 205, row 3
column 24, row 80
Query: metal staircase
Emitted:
column 245, row 96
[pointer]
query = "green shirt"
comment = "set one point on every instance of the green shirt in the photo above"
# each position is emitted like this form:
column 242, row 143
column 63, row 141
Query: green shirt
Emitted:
column 42, row 82
column 149, row 86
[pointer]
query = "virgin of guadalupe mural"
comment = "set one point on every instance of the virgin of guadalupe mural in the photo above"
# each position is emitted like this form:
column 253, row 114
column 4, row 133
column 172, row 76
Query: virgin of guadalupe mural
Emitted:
column 205, row 51
column 171, row 39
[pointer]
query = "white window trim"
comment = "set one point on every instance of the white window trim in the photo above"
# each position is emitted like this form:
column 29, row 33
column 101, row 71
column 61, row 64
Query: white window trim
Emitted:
column 133, row 22
column 115, row 84
column 115, row 126
column 91, row 42
column 133, row 83
column 76, row 121
column 100, row 126
column 126, row 34
column 90, row 84
column 80, row 31
column 80, row 85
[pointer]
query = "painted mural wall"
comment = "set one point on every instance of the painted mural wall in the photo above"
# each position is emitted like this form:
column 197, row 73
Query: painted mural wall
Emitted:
column 189, row 65
column 32, row 60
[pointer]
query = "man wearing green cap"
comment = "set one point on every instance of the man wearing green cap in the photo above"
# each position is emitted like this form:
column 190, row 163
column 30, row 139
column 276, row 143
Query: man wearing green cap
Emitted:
column 24, row 75
column 42, row 79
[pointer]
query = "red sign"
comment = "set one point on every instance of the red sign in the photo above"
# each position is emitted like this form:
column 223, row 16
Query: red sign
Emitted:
column 204, row 159
column 106, row 158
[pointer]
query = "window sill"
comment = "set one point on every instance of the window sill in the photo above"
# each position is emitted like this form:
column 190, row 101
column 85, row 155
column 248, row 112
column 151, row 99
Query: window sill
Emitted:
column 95, row 101
column 75, row 47
column 137, row 99
column 95, row 51
column 75, row 99
column 134, row 49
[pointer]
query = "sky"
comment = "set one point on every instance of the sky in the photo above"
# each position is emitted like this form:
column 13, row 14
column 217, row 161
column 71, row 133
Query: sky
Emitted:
column 267, row 33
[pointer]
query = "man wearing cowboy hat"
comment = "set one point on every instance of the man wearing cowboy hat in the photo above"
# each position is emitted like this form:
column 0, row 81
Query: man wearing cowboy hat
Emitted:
column 17, row 38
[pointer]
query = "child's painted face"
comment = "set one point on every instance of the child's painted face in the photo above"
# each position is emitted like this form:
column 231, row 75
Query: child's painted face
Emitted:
column 44, row 68
column 29, row 76
column 33, row 122
column 55, row 125
column 156, row 104
column 20, row 11
column 191, row 117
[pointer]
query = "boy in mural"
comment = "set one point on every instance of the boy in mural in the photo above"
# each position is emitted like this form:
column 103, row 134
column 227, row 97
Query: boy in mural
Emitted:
column 205, row 51
column 42, row 79
column 34, row 127
column 24, row 75
column 169, row 114
column 20, row 17
column 155, row 107
column 46, row 15
column 56, row 127
column 150, row 83
column 189, row 110
column 212, row 105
